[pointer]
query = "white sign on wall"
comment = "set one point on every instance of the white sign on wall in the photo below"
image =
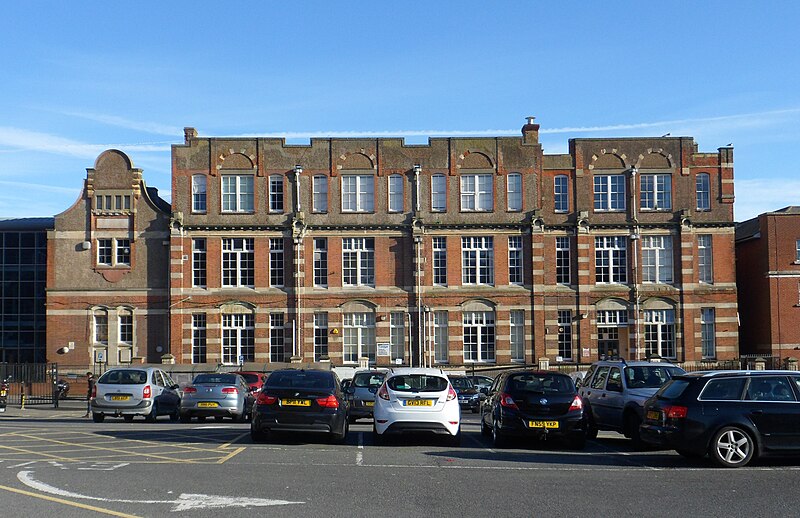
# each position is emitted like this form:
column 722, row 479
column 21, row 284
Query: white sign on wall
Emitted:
column 385, row 349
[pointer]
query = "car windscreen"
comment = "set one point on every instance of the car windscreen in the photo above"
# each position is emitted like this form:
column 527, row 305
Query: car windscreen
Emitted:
column 250, row 378
column 672, row 389
column 299, row 380
column 417, row 383
column 540, row 383
column 461, row 383
column 124, row 377
column 650, row 376
column 217, row 379
column 368, row 379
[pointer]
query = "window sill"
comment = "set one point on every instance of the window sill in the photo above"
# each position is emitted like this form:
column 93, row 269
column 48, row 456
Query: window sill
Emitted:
column 234, row 212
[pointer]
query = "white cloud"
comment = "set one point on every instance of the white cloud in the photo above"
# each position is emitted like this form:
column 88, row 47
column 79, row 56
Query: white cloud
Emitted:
column 113, row 120
column 42, row 187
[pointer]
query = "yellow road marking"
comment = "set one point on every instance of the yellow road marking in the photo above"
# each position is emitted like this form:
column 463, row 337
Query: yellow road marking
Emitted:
column 68, row 502
column 22, row 450
column 228, row 457
column 235, row 439
column 119, row 451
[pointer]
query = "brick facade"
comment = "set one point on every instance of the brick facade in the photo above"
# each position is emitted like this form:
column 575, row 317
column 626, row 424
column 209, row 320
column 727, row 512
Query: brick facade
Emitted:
column 768, row 276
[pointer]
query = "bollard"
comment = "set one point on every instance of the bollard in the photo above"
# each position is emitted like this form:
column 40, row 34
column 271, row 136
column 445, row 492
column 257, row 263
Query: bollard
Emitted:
column 22, row 401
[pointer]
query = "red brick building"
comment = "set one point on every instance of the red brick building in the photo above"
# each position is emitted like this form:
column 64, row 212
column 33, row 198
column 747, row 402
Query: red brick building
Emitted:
column 107, row 270
column 460, row 252
column 768, row 277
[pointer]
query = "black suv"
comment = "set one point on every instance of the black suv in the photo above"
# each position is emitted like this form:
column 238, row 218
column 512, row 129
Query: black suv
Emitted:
column 732, row 416
column 615, row 390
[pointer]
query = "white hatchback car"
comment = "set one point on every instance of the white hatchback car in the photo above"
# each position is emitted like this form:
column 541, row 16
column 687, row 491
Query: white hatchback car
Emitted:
column 417, row 400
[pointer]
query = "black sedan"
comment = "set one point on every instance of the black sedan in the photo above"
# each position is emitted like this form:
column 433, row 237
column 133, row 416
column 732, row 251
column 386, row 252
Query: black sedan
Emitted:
column 300, row 401
column 534, row 404
column 468, row 396
column 731, row 416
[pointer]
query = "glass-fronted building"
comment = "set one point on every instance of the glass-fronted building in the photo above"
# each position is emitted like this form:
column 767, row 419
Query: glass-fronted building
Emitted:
column 23, row 276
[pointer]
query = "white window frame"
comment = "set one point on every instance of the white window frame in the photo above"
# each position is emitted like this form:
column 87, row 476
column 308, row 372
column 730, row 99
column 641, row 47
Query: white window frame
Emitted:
column 708, row 335
column 477, row 260
column 479, row 331
column 276, row 262
column 477, row 192
column 125, row 328
column 514, row 192
column 705, row 259
column 439, row 245
column 611, row 257
column 276, row 193
column 238, row 260
column 517, row 334
column 358, row 336
column 657, row 260
column 655, row 192
column 199, row 338
column 565, row 335
column 100, row 327
column 397, row 335
column 319, row 188
column 610, row 192
column 703, row 191
column 320, row 335
column 199, row 194
column 238, row 337
column 238, row 193
column 563, row 261
column 320, row 262
column 515, row 261
column 358, row 261
column 438, row 193
column 358, row 193
column 561, row 193
column 797, row 251
column 277, row 338
column 396, row 188
column 659, row 332
column 115, row 249
column 441, row 340
column 199, row 262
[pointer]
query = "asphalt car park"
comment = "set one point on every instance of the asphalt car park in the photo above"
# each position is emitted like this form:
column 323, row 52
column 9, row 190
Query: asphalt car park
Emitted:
column 55, row 462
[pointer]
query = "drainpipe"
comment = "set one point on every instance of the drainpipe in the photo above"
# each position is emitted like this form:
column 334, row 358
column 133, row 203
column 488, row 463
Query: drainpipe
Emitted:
column 420, row 326
column 417, row 170
column 635, row 273
column 298, row 170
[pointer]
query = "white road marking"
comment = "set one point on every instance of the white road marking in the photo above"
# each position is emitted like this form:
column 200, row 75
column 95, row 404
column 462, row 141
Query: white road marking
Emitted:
column 184, row 502
column 360, row 452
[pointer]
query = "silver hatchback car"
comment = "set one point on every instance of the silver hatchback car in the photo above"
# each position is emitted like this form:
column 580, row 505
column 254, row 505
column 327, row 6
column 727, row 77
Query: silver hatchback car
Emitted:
column 217, row 395
column 132, row 391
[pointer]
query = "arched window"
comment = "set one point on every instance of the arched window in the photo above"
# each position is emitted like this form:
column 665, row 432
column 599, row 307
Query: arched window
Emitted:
column 198, row 193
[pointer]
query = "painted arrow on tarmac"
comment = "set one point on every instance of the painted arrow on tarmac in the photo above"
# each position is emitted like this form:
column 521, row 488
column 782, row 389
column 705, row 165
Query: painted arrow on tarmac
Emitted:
column 185, row 502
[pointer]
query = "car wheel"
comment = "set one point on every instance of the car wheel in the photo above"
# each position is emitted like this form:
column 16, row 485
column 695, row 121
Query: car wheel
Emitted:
column 257, row 435
column 486, row 430
column 218, row 418
column 340, row 438
column 498, row 439
column 175, row 415
column 127, row 418
column 98, row 418
column 632, row 423
column 151, row 417
column 201, row 418
column 577, row 441
column 186, row 418
column 732, row 447
column 591, row 427
column 455, row 440
column 377, row 439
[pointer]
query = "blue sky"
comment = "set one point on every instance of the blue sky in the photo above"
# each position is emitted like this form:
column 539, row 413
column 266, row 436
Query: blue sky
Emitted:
column 82, row 77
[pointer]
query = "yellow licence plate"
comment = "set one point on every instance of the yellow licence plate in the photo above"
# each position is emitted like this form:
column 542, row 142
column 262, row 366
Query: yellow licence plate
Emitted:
column 2, row 392
column 419, row 402
column 296, row 402
column 654, row 415
column 369, row 403
column 120, row 398
column 543, row 424
column 207, row 404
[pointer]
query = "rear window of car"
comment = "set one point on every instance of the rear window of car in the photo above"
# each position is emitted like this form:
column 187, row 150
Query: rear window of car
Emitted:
column 461, row 383
column 544, row 383
column 124, row 377
column 300, row 380
column 723, row 389
column 368, row 379
column 650, row 376
column 223, row 379
column 417, row 383
column 672, row 389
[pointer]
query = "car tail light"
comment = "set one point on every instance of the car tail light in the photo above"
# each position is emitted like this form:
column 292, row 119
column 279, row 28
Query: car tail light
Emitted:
column 94, row 392
column 328, row 402
column 189, row 390
column 507, row 401
column 577, row 404
column 266, row 399
column 383, row 392
column 230, row 390
column 451, row 394
column 675, row 412
column 146, row 392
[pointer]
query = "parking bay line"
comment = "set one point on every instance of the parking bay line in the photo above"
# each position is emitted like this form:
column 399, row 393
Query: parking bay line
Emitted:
column 68, row 502
column 360, row 451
